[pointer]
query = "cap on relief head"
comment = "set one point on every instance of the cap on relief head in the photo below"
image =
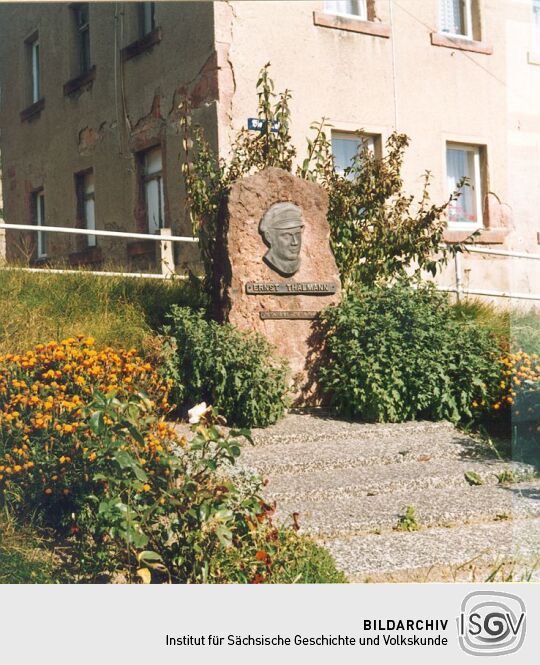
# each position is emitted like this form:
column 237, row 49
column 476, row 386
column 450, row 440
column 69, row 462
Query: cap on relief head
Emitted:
column 282, row 216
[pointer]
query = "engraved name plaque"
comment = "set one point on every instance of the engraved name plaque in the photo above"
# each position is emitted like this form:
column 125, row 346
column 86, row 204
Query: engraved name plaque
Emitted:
column 291, row 288
column 302, row 315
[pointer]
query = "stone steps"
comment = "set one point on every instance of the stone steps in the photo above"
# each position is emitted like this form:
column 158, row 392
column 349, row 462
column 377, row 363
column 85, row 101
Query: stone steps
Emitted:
column 470, row 552
column 303, row 429
column 439, row 507
column 345, row 483
column 340, row 453
column 351, row 482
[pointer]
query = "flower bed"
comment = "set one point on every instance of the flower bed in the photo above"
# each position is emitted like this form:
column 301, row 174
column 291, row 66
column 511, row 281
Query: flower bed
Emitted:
column 47, row 446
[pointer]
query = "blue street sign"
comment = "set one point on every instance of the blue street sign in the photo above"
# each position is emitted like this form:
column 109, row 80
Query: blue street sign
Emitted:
column 257, row 124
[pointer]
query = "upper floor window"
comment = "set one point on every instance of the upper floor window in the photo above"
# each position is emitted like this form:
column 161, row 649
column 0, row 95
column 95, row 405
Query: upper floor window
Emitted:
column 355, row 8
column 147, row 20
column 82, row 22
column 464, row 161
column 152, row 175
column 35, row 78
column 457, row 18
column 345, row 147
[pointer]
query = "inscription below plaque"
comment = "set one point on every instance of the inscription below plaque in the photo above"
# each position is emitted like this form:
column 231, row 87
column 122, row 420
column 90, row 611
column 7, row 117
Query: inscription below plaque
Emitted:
column 298, row 314
column 291, row 288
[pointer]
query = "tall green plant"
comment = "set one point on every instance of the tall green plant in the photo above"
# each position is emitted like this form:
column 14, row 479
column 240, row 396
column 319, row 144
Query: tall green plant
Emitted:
column 378, row 232
column 208, row 179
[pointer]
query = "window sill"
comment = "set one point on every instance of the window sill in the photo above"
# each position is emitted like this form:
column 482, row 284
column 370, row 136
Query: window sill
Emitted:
column 141, row 45
column 533, row 57
column 79, row 82
column 461, row 43
column 339, row 22
column 486, row 236
column 33, row 110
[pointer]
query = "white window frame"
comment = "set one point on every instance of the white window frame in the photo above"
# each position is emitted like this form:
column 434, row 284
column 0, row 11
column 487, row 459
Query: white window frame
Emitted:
column 370, row 139
column 39, row 212
column 362, row 14
column 476, row 186
column 36, row 92
column 148, row 178
column 88, row 210
column 536, row 25
column 466, row 18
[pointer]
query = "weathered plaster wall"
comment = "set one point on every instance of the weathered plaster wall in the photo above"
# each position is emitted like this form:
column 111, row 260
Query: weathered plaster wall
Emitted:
column 523, row 148
column 214, row 52
column 128, row 107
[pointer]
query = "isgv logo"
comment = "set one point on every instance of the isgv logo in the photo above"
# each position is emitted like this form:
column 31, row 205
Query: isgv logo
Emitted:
column 491, row 623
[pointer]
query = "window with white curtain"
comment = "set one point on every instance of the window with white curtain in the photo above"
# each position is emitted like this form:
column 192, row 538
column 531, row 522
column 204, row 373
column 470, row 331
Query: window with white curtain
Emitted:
column 456, row 17
column 463, row 161
column 356, row 8
column 346, row 146
column 153, row 189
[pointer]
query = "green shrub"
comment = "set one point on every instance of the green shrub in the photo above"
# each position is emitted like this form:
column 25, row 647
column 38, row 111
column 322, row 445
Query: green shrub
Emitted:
column 400, row 353
column 301, row 561
column 233, row 371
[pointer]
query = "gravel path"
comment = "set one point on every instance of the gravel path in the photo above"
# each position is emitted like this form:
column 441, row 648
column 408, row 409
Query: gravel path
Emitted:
column 352, row 483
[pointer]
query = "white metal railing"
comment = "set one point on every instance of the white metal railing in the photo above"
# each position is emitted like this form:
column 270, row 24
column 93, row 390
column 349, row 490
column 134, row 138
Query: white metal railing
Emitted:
column 165, row 238
column 97, row 232
column 460, row 291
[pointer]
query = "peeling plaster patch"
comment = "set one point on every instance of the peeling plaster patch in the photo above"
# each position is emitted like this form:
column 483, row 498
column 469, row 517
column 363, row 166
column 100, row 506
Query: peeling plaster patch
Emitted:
column 149, row 121
column 89, row 138
column 149, row 128
column 202, row 89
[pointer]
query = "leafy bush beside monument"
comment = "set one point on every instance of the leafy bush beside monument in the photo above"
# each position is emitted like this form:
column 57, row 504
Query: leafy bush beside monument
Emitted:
column 236, row 372
column 399, row 353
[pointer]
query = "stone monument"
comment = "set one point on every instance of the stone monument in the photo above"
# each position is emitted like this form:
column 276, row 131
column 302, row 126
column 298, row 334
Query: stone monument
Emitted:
column 275, row 270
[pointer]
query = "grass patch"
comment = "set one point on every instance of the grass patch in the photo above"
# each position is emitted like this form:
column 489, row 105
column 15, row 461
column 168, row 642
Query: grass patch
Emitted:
column 116, row 311
column 517, row 329
column 23, row 558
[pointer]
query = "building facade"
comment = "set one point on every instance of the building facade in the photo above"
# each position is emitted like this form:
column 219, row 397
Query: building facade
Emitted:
column 90, row 94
